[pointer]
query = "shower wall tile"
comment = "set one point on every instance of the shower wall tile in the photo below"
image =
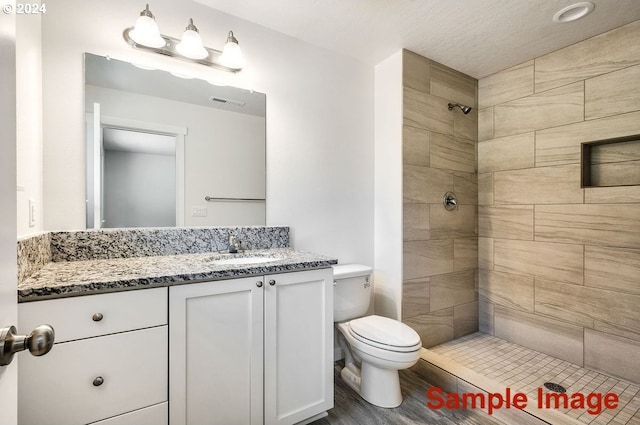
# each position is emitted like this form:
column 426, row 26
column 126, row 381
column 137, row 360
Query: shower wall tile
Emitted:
column 465, row 254
column 465, row 319
column 415, row 297
column 562, row 262
column 415, row 222
column 427, row 258
column 506, row 221
column 459, row 223
column 485, row 316
column 615, row 355
column 612, row 195
column 434, row 328
column 594, row 224
column 549, row 185
column 506, row 289
column 601, row 54
column 540, row 333
column 485, row 253
column 425, row 185
column 452, row 153
column 615, row 174
column 559, row 106
column 452, row 289
column 465, row 125
column 453, row 85
column 415, row 147
column 507, row 153
column 485, row 189
column 485, row 124
column 561, row 145
column 612, row 94
column 416, row 71
column 465, row 185
column 512, row 83
column 428, row 112
column 617, row 269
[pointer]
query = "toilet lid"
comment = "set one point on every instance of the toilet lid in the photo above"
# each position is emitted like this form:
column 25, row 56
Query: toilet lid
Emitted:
column 382, row 331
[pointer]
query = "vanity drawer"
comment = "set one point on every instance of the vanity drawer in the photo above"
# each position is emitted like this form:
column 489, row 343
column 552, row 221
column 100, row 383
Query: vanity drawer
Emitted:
column 152, row 415
column 79, row 317
column 62, row 387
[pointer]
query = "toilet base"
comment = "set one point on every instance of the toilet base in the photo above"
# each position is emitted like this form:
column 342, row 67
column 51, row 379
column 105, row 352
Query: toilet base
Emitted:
column 380, row 387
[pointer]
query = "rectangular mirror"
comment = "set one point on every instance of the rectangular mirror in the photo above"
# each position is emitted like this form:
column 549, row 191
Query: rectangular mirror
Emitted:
column 164, row 150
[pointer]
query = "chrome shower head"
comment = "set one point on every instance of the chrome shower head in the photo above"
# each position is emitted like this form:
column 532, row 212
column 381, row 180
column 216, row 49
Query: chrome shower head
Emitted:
column 465, row 109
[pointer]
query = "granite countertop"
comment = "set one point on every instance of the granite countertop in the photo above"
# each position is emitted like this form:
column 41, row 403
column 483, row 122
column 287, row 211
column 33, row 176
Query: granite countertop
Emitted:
column 73, row 278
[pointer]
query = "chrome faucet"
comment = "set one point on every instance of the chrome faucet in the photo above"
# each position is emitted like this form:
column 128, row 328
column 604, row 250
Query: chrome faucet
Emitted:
column 234, row 244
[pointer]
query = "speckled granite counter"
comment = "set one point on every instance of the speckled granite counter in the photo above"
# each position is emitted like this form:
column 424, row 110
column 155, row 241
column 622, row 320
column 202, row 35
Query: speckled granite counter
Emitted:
column 73, row 278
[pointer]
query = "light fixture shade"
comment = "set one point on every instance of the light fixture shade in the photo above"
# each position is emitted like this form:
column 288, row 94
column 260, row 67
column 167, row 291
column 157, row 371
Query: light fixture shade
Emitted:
column 191, row 44
column 231, row 53
column 146, row 31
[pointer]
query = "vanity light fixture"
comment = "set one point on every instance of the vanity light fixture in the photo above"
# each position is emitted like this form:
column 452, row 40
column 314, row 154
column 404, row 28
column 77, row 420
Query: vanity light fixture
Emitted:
column 145, row 35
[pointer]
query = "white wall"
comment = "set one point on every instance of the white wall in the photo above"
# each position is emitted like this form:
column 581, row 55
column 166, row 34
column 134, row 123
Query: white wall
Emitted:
column 388, row 187
column 29, row 120
column 319, row 117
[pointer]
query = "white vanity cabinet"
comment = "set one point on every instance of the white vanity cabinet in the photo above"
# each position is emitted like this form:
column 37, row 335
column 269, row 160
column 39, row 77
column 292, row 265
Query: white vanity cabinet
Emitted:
column 252, row 350
column 108, row 363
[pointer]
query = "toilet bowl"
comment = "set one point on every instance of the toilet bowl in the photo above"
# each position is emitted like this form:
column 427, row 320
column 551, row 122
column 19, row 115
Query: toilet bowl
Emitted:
column 375, row 347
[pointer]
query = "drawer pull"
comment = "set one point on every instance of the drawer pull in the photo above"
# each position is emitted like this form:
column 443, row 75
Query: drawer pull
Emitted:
column 259, row 284
column 98, row 381
column 272, row 282
column 97, row 317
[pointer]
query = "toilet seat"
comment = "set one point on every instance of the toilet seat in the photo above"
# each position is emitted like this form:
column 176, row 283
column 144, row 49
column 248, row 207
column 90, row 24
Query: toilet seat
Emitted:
column 384, row 333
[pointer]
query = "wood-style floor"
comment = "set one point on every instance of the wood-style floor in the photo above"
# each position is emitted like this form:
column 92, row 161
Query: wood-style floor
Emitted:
column 350, row 409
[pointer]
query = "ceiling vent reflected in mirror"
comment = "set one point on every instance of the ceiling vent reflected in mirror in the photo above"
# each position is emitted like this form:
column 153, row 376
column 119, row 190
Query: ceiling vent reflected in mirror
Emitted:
column 237, row 103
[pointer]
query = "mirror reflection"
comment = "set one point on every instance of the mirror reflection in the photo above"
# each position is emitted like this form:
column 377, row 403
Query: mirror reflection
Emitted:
column 164, row 150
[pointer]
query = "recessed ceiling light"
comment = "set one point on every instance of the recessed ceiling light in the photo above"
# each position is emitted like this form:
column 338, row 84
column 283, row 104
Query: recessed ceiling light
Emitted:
column 573, row 12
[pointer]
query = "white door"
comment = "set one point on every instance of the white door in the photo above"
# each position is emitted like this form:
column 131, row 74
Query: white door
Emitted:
column 216, row 353
column 8, row 227
column 298, row 346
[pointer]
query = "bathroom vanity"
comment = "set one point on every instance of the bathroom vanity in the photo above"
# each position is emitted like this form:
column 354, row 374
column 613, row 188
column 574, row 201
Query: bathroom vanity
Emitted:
column 223, row 340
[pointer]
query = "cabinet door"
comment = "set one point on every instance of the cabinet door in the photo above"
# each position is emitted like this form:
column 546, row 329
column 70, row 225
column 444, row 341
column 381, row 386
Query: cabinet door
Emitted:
column 298, row 346
column 216, row 353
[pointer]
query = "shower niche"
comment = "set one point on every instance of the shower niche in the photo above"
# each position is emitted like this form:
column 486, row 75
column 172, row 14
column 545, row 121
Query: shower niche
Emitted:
column 611, row 162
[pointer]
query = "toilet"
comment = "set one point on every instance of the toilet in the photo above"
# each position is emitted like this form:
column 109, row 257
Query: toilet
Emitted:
column 375, row 347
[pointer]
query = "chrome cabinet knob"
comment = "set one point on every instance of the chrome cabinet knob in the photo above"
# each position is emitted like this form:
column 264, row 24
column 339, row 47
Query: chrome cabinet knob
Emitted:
column 98, row 381
column 97, row 317
column 259, row 284
column 38, row 342
column 272, row 282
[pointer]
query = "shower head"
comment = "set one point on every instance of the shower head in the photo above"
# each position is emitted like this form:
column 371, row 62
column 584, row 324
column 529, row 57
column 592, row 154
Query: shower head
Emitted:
column 465, row 109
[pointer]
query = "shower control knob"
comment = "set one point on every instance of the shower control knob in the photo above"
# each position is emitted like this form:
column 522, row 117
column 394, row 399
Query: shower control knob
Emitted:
column 272, row 282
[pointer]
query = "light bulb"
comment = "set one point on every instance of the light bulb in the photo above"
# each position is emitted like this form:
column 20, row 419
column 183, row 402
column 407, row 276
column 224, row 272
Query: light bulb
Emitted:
column 191, row 44
column 146, row 30
column 231, row 54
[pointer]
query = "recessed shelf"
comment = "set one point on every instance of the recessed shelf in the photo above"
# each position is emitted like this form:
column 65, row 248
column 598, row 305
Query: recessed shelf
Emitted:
column 611, row 162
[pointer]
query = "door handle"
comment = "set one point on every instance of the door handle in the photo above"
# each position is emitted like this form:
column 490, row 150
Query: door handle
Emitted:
column 38, row 342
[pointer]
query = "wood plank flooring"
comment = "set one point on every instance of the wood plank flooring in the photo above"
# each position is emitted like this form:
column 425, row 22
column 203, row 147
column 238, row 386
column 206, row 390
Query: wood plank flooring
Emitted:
column 350, row 409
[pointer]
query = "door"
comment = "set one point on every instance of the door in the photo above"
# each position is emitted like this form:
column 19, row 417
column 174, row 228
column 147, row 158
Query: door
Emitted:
column 8, row 227
column 298, row 346
column 216, row 353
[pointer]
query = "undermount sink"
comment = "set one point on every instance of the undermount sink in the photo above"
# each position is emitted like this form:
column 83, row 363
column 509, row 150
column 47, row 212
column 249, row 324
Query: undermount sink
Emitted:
column 241, row 259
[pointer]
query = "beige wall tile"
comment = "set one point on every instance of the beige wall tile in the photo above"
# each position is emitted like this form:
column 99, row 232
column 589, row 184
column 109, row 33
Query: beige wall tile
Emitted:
column 415, row 222
column 465, row 186
column 415, row 146
column 485, row 253
column 612, row 195
column 562, row 262
column 509, row 290
column 459, row 223
column 559, row 106
column 585, row 306
column 485, row 314
column 611, row 354
column 485, row 188
column 452, row 153
column 465, row 126
column 561, row 145
column 547, row 185
column 507, row 153
column 617, row 269
column 512, row 83
column 616, row 152
column 428, row 112
column 433, row 328
column 465, row 253
column 465, row 319
column 616, row 329
column 507, row 221
column 452, row 85
column 549, row 336
column 415, row 71
column 427, row 258
column 485, row 123
column 604, row 53
column 425, row 185
column 451, row 289
column 616, row 173
column 415, row 297
column 591, row 224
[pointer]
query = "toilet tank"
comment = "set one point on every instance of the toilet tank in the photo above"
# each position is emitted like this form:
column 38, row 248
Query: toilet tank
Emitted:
column 351, row 291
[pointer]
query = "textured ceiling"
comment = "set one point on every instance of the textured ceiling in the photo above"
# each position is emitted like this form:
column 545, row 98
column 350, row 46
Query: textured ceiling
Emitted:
column 477, row 37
